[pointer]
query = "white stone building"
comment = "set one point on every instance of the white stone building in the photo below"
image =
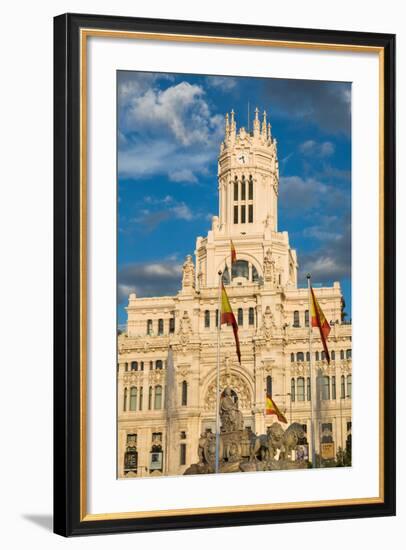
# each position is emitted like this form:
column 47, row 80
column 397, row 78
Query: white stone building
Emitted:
column 272, row 314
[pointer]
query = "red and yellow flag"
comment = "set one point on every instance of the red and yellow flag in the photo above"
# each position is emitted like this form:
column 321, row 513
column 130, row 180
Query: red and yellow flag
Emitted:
column 319, row 320
column 271, row 408
column 227, row 317
column 233, row 253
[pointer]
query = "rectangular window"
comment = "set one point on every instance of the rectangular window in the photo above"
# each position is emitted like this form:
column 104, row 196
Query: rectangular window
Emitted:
column 250, row 190
column 149, row 326
column 235, row 191
column 243, row 191
column 251, row 316
column 171, row 325
column 235, row 214
column 140, row 400
column 182, row 454
column 306, row 318
column 333, row 388
column 309, row 391
column 269, row 386
column 160, row 327
column 240, row 316
column 217, row 317
column 132, row 440
column 182, row 435
column 243, row 213
column 250, row 213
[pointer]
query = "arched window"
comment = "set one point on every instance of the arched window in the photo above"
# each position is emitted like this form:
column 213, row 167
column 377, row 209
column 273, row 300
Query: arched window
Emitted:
column 159, row 365
column 184, row 393
column 292, row 357
column 333, row 388
column 349, row 385
column 348, row 354
column 134, row 365
column 142, row 365
column 300, row 356
column 269, row 386
column 342, row 391
column 317, row 356
column 300, row 389
column 240, row 269
column 160, row 327
column 133, row 398
column 150, row 398
column 306, row 318
column 250, row 189
column 149, row 326
column 243, row 189
column 308, row 389
column 333, row 355
column 292, row 389
column 342, row 354
column 325, row 388
column 171, row 325
column 296, row 319
column 140, row 399
column 240, row 316
column 207, row 319
column 307, row 355
column 158, row 398
column 323, row 355
column 235, row 189
column 255, row 276
column 251, row 316
column 125, row 399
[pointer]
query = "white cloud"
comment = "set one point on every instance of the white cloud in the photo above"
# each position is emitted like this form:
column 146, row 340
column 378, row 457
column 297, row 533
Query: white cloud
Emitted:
column 223, row 83
column 189, row 134
column 316, row 149
column 183, row 175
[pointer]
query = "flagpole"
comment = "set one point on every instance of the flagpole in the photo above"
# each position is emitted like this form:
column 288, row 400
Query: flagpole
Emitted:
column 218, row 377
column 312, row 383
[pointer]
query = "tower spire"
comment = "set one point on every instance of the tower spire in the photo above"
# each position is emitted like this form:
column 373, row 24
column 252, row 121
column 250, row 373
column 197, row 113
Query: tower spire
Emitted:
column 264, row 125
column 256, row 123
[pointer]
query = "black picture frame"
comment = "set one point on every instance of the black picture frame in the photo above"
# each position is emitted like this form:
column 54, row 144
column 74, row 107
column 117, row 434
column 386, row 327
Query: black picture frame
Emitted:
column 68, row 519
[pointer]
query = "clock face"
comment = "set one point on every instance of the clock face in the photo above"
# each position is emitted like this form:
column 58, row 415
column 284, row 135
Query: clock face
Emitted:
column 242, row 158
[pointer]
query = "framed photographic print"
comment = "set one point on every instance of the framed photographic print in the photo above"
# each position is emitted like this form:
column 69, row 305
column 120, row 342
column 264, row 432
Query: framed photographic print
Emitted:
column 224, row 255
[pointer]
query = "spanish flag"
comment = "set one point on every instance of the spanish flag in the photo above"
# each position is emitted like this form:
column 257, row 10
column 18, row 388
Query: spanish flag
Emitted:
column 227, row 317
column 233, row 253
column 271, row 408
column 319, row 320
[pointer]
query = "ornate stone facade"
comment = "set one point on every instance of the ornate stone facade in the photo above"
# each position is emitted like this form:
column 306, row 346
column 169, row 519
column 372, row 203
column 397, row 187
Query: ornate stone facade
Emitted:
column 273, row 328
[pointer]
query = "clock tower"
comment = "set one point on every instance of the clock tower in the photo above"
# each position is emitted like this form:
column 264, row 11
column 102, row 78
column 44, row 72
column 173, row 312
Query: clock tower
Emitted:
column 248, row 183
column 248, row 178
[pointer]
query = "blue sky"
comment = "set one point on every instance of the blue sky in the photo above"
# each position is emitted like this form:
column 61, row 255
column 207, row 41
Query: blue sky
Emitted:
column 169, row 130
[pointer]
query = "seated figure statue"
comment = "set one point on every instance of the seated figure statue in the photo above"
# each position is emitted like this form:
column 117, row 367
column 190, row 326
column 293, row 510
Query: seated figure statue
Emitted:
column 231, row 417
